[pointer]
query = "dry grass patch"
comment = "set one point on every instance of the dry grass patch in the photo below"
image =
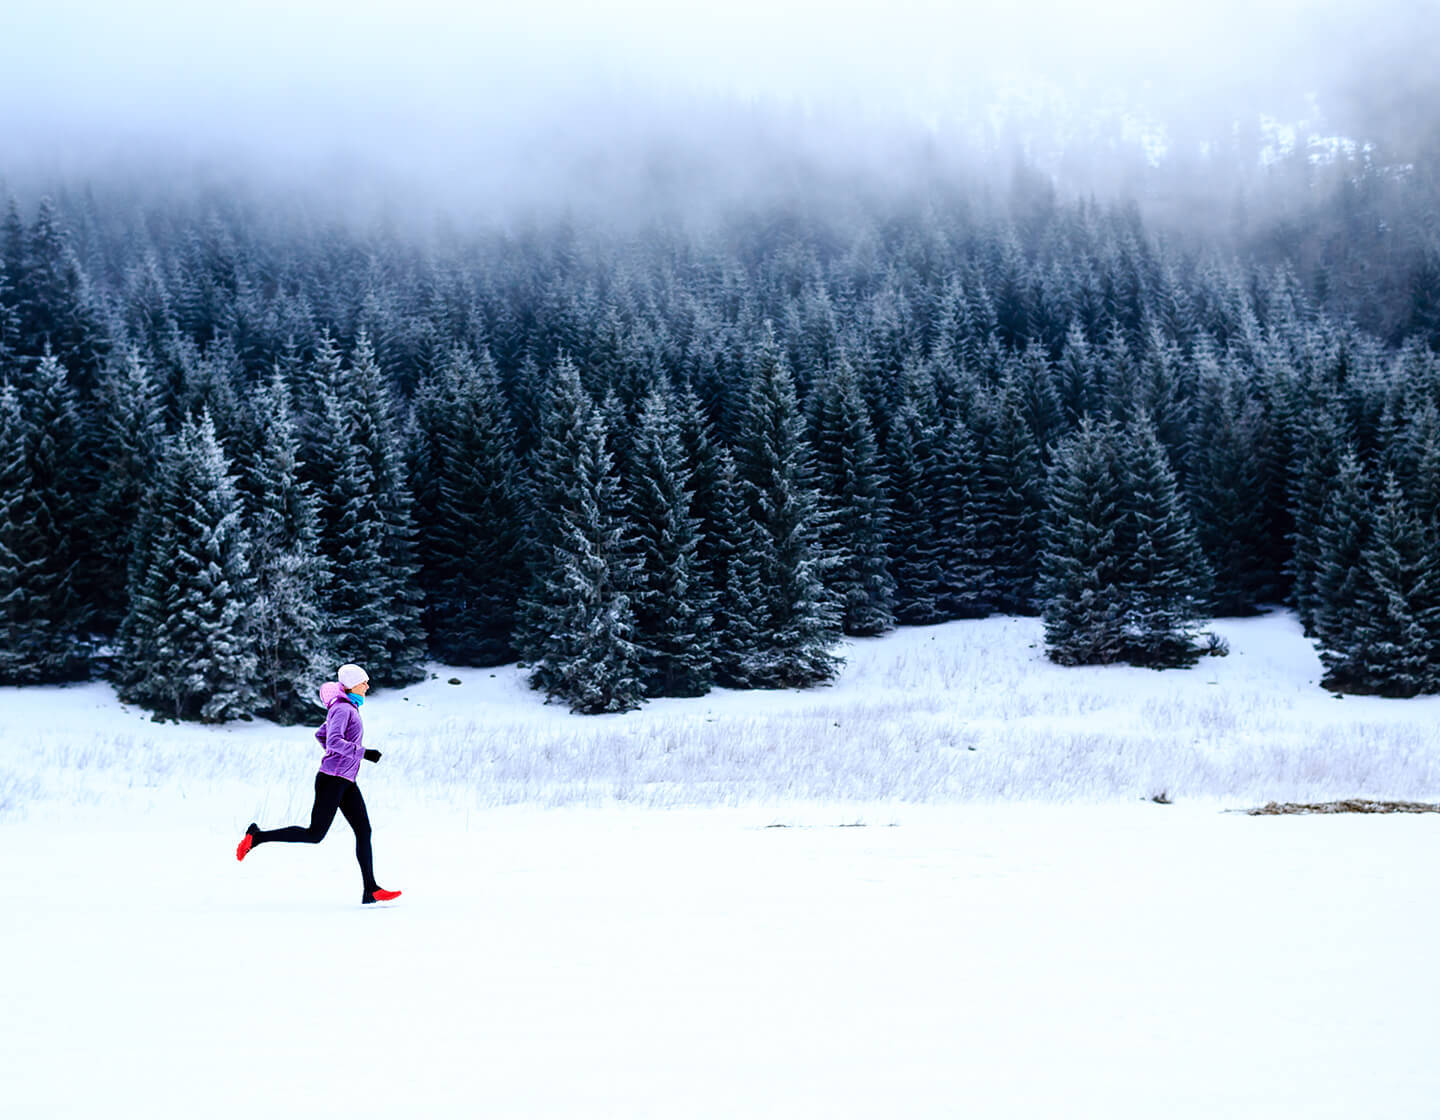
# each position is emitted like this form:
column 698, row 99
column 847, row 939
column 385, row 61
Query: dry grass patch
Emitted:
column 1353, row 805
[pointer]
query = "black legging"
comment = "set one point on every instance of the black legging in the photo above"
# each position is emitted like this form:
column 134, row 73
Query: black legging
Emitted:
column 331, row 793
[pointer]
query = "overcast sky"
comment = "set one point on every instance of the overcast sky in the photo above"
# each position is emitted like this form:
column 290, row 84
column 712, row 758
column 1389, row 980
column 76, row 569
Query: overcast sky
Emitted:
column 476, row 87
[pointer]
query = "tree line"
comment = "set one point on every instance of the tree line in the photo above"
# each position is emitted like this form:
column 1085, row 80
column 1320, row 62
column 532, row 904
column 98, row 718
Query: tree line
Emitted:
column 236, row 446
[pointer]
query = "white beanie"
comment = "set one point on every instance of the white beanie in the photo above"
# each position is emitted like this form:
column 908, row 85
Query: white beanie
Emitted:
column 351, row 675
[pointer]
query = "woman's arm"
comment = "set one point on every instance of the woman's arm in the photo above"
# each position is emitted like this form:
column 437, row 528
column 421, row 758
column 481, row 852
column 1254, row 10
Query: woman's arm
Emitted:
column 337, row 724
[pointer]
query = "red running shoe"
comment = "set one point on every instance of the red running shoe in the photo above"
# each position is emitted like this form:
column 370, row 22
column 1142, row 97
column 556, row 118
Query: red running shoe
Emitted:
column 378, row 895
column 247, row 842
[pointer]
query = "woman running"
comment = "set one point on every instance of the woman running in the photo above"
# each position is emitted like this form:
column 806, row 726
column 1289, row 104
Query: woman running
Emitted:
column 335, row 786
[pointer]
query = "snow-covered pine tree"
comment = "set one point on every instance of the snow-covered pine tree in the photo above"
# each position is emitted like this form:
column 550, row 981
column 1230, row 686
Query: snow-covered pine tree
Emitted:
column 801, row 619
column 319, row 379
column 1272, row 386
column 1227, row 490
column 1341, row 591
column 467, row 512
column 18, row 639
column 672, row 600
column 701, row 452
column 852, row 484
column 12, row 248
column 966, row 580
column 620, row 441
column 1077, row 377
column 1165, row 389
column 1115, row 371
column 428, row 411
column 735, row 575
column 394, row 651
column 211, row 382
column 1314, row 475
column 1167, row 580
column 9, row 321
column 43, row 614
column 576, row 624
column 1176, row 310
column 1083, row 585
column 185, row 647
column 131, row 428
column 1395, row 649
column 915, row 553
column 1010, row 500
column 1039, row 386
column 526, row 391
column 977, row 338
column 1425, row 480
column 288, row 572
column 357, row 619
column 33, row 649
column 55, row 303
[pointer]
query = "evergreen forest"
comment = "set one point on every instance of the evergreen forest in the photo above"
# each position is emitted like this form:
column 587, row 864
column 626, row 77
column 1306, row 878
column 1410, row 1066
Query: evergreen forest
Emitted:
column 240, row 444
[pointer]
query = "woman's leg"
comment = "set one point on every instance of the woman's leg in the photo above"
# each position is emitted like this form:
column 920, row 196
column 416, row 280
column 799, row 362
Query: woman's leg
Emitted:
column 352, row 804
column 328, row 791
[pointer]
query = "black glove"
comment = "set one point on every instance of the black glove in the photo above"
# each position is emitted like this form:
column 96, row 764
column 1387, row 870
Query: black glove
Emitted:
column 372, row 756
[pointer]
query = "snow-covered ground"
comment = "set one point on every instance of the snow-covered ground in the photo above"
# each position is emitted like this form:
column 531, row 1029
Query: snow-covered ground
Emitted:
column 964, row 712
column 601, row 917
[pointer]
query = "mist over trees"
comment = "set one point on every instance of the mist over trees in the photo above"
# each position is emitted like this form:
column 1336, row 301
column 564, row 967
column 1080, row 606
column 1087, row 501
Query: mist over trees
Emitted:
column 240, row 442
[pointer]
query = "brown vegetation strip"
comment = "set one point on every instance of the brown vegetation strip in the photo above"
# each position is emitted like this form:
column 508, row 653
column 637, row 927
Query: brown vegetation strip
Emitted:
column 1354, row 805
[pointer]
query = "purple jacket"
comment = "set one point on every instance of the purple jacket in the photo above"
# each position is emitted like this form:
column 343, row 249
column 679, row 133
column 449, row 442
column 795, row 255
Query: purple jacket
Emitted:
column 341, row 733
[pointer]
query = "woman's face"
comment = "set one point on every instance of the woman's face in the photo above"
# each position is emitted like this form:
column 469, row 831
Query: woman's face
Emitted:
column 361, row 689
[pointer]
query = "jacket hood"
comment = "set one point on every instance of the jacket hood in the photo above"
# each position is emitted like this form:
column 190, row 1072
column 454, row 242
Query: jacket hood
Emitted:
column 330, row 692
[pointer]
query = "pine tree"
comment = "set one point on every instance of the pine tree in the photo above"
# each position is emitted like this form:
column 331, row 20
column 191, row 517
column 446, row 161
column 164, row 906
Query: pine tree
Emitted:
column 24, row 627
column 672, row 602
column 735, row 575
column 801, row 620
column 324, row 375
column 1316, row 470
column 1009, row 500
column 1083, row 585
column 9, row 321
column 54, row 301
column 358, row 623
column 374, row 602
column 1040, row 394
column 1228, row 493
column 1077, row 377
column 576, row 623
column 1122, row 578
column 1377, row 623
column 1117, row 376
column 12, row 252
column 1164, row 386
column 915, row 553
column 185, row 647
column 1167, row 579
column 1341, row 580
column 527, row 403
column 132, row 428
column 620, row 443
column 35, row 647
column 1395, row 649
column 966, row 588
column 1425, row 483
column 43, row 616
column 852, row 483
column 287, row 569
column 467, row 513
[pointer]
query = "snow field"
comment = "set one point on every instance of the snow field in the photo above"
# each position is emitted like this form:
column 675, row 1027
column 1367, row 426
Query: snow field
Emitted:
column 992, row 960
column 602, row 917
column 963, row 712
